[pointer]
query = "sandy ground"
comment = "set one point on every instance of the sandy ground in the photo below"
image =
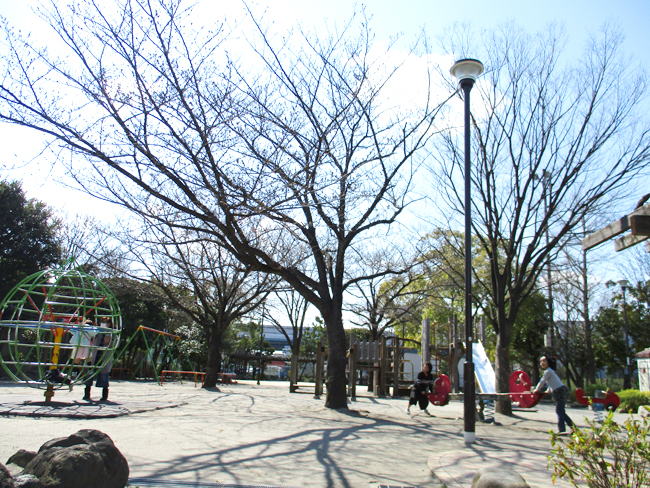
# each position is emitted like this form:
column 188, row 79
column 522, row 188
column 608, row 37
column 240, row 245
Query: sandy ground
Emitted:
column 263, row 435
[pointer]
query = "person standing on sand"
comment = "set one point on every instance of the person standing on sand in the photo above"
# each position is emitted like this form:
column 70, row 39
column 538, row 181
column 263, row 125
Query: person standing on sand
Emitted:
column 560, row 392
column 423, row 383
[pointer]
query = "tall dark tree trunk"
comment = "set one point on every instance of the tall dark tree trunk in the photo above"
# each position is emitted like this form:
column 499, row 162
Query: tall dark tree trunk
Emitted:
column 503, row 369
column 213, row 367
column 295, row 355
column 336, row 360
column 591, row 363
column 374, row 333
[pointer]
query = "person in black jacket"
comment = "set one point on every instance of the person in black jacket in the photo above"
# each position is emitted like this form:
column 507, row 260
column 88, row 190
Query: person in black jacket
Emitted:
column 423, row 384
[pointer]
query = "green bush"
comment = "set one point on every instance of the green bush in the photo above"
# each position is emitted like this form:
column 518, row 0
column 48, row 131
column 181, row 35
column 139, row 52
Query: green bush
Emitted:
column 606, row 456
column 633, row 399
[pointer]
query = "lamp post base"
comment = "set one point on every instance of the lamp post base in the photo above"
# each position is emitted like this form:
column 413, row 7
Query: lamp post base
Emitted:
column 469, row 400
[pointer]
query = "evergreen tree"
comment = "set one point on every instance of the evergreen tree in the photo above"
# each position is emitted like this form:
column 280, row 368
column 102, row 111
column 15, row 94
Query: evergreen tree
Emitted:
column 28, row 236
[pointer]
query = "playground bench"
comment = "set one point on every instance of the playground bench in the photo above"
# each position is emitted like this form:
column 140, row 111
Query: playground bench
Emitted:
column 227, row 378
column 195, row 373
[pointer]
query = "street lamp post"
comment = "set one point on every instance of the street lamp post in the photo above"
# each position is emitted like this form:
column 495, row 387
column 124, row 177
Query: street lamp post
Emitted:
column 548, row 339
column 467, row 71
column 259, row 376
column 627, row 374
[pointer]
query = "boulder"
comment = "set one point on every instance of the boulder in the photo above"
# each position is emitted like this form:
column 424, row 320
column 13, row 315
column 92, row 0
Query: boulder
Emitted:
column 85, row 459
column 6, row 481
column 498, row 478
column 27, row 481
column 21, row 458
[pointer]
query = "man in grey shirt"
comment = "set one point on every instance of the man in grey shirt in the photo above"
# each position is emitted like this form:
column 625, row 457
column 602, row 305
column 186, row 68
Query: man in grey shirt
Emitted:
column 560, row 393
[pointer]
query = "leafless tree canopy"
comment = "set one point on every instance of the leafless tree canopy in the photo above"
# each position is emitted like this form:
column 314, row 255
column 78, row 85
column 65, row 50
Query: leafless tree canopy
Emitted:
column 552, row 143
column 292, row 160
column 202, row 280
column 387, row 300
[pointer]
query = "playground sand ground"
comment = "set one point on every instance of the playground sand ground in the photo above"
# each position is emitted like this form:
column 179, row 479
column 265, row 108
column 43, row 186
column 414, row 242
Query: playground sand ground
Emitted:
column 251, row 434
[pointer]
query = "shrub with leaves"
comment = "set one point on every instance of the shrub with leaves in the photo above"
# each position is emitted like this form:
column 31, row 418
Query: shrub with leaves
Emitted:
column 631, row 400
column 610, row 455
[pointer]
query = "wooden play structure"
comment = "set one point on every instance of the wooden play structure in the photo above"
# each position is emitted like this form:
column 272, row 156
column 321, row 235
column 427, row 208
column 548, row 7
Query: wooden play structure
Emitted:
column 637, row 222
column 377, row 359
column 319, row 361
column 383, row 360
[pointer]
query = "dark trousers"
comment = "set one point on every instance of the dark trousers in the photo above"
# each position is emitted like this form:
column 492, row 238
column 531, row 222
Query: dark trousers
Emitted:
column 562, row 417
column 419, row 398
column 560, row 397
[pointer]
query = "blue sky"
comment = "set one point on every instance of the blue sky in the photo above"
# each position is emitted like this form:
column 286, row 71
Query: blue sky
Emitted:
column 388, row 18
column 20, row 149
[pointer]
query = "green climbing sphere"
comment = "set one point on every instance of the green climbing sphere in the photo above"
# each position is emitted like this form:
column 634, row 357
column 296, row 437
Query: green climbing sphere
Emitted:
column 58, row 327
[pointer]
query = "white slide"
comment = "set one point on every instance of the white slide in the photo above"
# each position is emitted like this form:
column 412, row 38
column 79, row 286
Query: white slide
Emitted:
column 483, row 371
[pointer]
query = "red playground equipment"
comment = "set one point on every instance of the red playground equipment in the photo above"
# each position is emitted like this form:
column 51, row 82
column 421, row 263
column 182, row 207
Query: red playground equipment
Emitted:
column 520, row 390
column 608, row 399
column 442, row 388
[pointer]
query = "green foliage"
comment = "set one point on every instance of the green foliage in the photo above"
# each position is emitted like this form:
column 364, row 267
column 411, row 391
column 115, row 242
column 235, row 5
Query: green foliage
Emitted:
column 244, row 337
column 527, row 342
column 606, row 456
column 609, row 344
column 631, row 400
column 444, row 285
column 312, row 336
column 28, row 236
column 141, row 304
column 360, row 334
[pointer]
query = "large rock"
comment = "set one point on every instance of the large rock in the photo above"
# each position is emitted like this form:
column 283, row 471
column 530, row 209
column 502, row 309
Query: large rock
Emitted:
column 86, row 459
column 498, row 478
column 21, row 458
column 5, row 478
column 27, row 481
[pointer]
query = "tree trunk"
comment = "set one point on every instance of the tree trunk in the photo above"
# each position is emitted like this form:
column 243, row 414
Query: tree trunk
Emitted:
column 336, row 360
column 293, row 373
column 374, row 333
column 503, row 405
column 213, row 367
column 591, row 363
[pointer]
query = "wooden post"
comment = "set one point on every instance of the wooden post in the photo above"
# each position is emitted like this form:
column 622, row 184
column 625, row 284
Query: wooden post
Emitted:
column 353, row 377
column 435, row 371
column 383, row 366
column 396, row 367
column 352, row 368
column 293, row 374
column 319, row 370
column 426, row 351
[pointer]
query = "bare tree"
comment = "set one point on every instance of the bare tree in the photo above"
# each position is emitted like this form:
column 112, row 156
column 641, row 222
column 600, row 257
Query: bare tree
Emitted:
column 552, row 143
column 302, row 150
column 576, row 293
column 294, row 307
column 200, row 279
column 385, row 301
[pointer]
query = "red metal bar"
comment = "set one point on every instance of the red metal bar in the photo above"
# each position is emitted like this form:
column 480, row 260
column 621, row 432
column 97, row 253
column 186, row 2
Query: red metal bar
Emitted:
column 159, row 332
